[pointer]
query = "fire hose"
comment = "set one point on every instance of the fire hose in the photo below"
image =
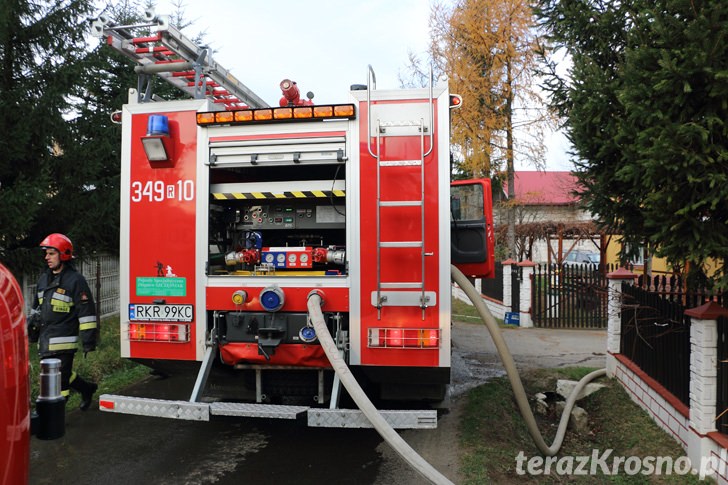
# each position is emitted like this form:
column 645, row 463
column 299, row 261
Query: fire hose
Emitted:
column 362, row 401
column 513, row 376
column 390, row 435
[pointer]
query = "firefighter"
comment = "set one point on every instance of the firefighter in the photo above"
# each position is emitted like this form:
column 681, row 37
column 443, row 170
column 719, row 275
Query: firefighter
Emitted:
column 67, row 315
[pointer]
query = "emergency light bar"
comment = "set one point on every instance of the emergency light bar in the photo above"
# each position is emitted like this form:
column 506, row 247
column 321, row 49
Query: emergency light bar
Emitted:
column 287, row 113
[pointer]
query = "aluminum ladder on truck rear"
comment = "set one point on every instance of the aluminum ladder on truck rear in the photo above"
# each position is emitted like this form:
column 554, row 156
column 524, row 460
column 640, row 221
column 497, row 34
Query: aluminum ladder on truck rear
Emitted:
column 389, row 169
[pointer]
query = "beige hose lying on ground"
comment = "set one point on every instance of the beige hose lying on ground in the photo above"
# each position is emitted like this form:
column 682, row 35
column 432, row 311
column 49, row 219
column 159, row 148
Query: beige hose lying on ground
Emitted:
column 362, row 401
column 390, row 435
column 507, row 359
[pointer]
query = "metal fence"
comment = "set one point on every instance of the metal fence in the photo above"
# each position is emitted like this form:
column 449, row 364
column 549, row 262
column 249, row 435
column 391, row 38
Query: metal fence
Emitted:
column 721, row 404
column 659, row 302
column 569, row 296
column 656, row 337
column 102, row 275
column 493, row 287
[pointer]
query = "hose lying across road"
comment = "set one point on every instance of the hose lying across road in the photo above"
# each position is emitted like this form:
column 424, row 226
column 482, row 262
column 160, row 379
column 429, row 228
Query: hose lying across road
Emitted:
column 390, row 435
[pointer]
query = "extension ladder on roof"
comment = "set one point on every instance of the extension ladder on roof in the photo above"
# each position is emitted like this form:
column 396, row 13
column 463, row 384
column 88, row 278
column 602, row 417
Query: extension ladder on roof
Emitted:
column 176, row 59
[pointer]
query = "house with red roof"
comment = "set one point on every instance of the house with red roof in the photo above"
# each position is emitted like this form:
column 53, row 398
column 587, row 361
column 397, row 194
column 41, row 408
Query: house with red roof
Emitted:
column 546, row 197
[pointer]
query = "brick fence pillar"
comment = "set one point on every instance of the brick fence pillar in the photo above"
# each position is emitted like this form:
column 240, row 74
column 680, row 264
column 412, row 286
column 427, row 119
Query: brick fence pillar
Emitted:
column 614, row 316
column 703, row 364
column 525, row 296
column 507, row 286
column 703, row 376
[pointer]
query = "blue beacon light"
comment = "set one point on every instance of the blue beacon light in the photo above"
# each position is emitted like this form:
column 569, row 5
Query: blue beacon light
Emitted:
column 158, row 125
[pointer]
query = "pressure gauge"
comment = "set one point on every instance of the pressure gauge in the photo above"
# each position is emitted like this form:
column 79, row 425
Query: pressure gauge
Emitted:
column 269, row 258
column 304, row 258
column 281, row 258
column 291, row 258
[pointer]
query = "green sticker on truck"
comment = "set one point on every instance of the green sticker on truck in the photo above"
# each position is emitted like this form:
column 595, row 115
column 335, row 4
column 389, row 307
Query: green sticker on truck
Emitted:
column 155, row 286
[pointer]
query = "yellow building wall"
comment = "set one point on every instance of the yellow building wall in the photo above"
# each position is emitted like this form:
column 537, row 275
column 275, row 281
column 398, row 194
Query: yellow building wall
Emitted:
column 659, row 265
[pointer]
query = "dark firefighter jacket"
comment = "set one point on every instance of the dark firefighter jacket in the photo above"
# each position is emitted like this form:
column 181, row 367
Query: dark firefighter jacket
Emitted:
column 67, row 313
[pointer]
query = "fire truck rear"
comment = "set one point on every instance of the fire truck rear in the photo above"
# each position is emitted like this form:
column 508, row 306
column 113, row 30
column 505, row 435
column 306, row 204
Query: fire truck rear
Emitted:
column 234, row 214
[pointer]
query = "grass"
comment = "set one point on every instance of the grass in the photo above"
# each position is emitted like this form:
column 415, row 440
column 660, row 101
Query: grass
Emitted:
column 103, row 366
column 465, row 312
column 492, row 434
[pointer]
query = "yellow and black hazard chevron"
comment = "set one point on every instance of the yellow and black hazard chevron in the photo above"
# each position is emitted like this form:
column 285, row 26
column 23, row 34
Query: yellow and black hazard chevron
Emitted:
column 302, row 194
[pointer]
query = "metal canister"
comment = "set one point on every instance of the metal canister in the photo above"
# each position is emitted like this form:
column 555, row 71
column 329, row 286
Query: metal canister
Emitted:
column 50, row 405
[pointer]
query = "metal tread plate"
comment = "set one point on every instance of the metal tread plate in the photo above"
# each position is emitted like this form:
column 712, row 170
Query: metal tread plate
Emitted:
column 251, row 410
column 354, row 418
column 192, row 411
column 317, row 418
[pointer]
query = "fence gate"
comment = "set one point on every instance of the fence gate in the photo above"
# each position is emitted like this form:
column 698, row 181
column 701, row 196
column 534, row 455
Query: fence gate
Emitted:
column 569, row 296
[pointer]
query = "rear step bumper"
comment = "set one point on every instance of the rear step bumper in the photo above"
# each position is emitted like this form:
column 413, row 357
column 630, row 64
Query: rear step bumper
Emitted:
column 316, row 417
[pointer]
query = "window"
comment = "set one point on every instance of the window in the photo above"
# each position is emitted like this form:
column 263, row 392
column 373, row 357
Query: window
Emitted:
column 466, row 202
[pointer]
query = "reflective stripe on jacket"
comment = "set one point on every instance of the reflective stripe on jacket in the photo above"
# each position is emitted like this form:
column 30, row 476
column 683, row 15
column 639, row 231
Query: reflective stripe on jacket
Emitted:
column 56, row 344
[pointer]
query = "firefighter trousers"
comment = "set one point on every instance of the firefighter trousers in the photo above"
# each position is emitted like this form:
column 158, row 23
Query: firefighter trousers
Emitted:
column 69, row 379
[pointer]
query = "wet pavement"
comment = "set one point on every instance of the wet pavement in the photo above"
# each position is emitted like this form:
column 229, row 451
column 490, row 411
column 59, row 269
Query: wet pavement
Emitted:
column 475, row 358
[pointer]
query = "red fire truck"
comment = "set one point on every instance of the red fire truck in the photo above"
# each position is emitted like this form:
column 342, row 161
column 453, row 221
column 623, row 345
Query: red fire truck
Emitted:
column 233, row 213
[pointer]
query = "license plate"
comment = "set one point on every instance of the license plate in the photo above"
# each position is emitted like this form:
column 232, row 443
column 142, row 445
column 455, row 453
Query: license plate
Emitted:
column 160, row 313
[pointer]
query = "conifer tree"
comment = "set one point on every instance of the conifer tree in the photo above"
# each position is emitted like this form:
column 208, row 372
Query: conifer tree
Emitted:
column 41, row 46
column 646, row 109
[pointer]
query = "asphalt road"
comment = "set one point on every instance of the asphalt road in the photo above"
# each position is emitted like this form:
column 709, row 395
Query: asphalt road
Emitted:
column 103, row 448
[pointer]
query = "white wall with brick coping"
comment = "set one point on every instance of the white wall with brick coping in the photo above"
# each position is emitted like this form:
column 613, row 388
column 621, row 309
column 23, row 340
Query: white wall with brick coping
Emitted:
column 496, row 308
column 661, row 411
column 719, row 458
column 698, row 448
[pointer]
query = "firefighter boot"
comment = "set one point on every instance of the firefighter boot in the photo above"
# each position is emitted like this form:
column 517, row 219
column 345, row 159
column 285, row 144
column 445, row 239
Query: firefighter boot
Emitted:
column 86, row 389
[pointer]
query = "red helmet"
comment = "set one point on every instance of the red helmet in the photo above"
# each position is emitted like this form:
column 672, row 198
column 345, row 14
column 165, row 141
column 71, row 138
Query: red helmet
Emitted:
column 60, row 243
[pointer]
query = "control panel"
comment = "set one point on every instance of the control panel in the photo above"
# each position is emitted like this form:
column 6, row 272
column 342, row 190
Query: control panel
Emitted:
column 309, row 214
